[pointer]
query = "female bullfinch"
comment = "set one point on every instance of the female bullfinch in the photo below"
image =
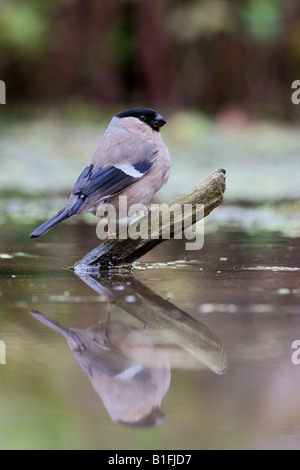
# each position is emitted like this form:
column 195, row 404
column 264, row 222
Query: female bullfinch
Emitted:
column 126, row 366
column 131, row 160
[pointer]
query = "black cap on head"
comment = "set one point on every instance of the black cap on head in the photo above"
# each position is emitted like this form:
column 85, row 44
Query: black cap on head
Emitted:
column 154, row 418
column 147, row 115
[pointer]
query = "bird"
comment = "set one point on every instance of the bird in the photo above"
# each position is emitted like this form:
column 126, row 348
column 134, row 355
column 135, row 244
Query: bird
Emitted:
column 125, row 365
column 131, row 160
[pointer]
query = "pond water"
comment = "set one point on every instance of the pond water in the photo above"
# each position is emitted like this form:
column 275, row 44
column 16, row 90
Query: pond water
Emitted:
column 194, row 350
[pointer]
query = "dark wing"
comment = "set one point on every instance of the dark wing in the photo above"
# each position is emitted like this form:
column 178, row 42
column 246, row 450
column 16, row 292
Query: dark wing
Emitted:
column 90, row 355
column 82, row 179
column 94, row 186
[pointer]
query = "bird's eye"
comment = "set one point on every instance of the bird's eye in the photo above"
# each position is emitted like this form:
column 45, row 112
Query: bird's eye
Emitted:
column 142, row 118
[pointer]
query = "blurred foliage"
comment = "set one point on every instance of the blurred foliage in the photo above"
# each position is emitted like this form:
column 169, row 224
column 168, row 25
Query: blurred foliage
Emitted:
column 23, row 28
column 184, row 53
column 263, row 19
column 202, row 18
column 44, row 155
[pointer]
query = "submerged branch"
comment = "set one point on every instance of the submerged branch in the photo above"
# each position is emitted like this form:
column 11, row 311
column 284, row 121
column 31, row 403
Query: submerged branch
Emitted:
column 124, row 250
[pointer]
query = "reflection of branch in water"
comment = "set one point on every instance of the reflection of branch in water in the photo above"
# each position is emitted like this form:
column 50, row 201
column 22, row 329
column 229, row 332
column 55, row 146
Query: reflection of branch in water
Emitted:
column 176, row 325
column 130, row 367
column 111, row 354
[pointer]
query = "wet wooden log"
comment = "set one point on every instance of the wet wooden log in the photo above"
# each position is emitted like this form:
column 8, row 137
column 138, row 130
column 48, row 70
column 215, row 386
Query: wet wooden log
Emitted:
column 152, row 228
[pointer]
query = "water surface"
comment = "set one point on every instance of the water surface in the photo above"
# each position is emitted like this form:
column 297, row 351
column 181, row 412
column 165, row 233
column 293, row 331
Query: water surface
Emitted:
column 196, row 352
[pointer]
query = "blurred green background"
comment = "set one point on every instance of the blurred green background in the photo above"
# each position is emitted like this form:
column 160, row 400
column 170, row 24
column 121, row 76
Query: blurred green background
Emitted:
column 209, row 55
column 220, row 71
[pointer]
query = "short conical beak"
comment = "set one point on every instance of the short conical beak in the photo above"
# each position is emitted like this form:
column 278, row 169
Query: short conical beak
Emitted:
column 159, row 121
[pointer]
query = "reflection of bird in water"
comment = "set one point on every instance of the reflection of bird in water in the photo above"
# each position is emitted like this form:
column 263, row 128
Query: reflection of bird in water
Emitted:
column 125, row 368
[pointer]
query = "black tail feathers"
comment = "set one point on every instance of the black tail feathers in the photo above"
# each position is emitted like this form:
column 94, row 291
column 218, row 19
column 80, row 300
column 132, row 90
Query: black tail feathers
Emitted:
column 57, row 218
column 46, row 226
